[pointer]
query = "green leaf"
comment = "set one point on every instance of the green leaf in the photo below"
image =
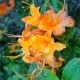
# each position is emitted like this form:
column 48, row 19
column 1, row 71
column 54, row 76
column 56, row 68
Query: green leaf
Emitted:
column 45, row 6
column 16, row 74
column 48, row 75
column 72, row 70
column 55, row 5
column 14, row 77
column 77, row 51
column 19, row 70
column 38, row 2
column 68, row 35
column 32, row 67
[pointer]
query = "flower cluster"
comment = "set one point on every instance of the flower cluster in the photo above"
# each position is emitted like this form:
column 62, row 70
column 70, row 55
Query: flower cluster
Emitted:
column 37, row 43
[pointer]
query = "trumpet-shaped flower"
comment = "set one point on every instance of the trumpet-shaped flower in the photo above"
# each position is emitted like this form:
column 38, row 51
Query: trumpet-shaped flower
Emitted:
column 49, row 21
column 37, row 44
column 40, row 47
column 55, row 22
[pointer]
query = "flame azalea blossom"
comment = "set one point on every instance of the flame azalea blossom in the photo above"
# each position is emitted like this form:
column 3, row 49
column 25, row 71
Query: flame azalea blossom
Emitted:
column 40, row 47
column 49, row 21
column 55, row 22
column 37, row 44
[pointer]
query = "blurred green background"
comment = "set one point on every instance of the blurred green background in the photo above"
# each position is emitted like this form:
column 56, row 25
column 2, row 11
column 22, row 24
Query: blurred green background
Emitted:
column 11, row 23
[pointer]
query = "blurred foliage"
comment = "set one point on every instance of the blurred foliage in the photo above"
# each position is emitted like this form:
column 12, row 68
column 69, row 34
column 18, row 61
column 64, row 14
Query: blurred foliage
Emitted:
column 11, row 24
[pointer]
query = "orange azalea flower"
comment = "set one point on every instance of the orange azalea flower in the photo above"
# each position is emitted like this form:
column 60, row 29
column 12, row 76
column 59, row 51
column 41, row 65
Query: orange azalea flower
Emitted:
column 37, row 44
column 34, row 18
column 49, row 21
column 55, row 22
column 40, row 47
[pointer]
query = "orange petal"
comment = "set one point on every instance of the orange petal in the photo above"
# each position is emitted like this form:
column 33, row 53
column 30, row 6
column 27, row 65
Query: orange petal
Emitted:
column 46, row 23
column 67, row 21
column 49, row 49
column 39, row 42
column 59, row 30
column 61, row 14
column 61, row 59
column 34, row 11
column 37, row 32
column 30, row 20
column 59, row 46
column 57, row 64
column 28, row 59
column 50, row 59
column 23, row 43
column 26, row 30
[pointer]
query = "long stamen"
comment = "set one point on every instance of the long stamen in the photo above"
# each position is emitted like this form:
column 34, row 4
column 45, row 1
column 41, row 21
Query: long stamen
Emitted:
column 12, row 43
column 14, row 57
column 11, row 35
column 26, row 9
